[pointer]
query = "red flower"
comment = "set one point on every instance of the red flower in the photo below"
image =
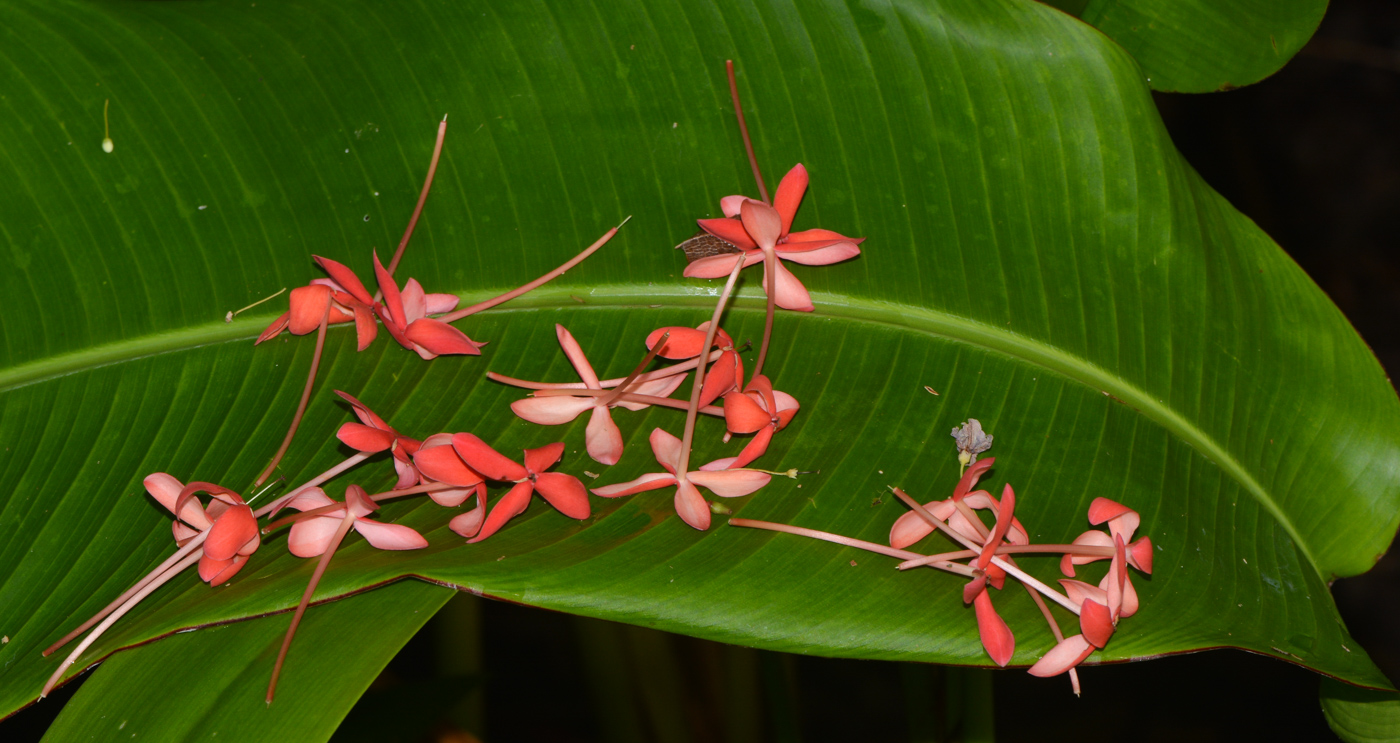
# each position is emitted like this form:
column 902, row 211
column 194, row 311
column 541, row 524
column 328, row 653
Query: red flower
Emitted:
column 603, row 438
column 346, row 296
column 439, row 461
column 564, row 492
column 312, row 536
column 1122, row 522
column 684, row 343
column 233, row 530
column 405, row 315
column 372, row 435
column 771, row 232
column 759, row 410
column 691, row 506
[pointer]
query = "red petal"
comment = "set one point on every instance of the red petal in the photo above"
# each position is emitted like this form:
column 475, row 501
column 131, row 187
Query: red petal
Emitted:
column 468, row 524
column 970, row 477
column 1008, row 502
column 602, row 439
column 743, row 415
column 1103, row 509
column 541, row 459
column 415, row 303
column 691, row 506
column 309, row 306
column 441, row 463
column 363, row 438
column 719, row 266
column 974, row 588
column 756, row 448
column 911, row 527
column 723, row 377
column 234, row 528
column 359, row 501
column 1095, row 622
column 1140, row 555
column 506, row 509
column 489, row 462
column 565, row 493
column 366, row 328
column 789, row 195
column 1069, row 653
column 166, row 489
column 650, row 481
column 219, row 572
column 684, row 343
column 762, row 222
column 440, row 338
column 389, row 536
column 276, row 327
column 347, row 279
column 392, row 299
column 363, row 412
column 996, row 636
column 731, row 231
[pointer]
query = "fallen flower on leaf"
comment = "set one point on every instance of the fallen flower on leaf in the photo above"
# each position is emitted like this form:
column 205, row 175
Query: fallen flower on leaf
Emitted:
column 759, row 410
column 231, row 531
column 564, row 492
column 372, row 435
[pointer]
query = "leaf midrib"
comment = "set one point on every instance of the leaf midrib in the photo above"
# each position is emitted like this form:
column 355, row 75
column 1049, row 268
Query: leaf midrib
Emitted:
column 906, row 317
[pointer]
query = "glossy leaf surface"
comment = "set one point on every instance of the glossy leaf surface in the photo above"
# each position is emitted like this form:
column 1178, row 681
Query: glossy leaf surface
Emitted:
column 1038, row 253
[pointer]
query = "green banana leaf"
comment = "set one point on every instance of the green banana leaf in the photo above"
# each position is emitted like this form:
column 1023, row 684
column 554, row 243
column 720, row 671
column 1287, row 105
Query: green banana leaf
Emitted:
column 1200, row 46
column 1038, row 253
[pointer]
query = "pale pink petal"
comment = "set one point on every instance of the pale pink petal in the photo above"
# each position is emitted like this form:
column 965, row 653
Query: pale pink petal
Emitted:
column 667, row 449
column 1078, row 591
column 311, row 537
column 554, row 410
column 722, row 463
column 691, row 506
column 603, row 439
column 1069, row 653
column 451, row 498
column 166, row 490
column 576, row 357
column 565, row 493
column 481, row 457
column 182, row 533
column 719, row 266
column 389, row 536
column 791, row 294
column 468, row 524
column 662, row 387
column 789, row 195
column 307, row 499
column 823, row 256
column 1091, row 538
column 415, row 304
column 762, row 222
column 408, row 474
column 1130, row 598
column 911, row 527
column 730, row 204
column 438, row 304
column 359, row 501
column 650, row 481
column 730, row 483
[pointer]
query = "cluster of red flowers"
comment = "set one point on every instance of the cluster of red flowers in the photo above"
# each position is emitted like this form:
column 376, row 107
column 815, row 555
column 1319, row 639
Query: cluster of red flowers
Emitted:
column 450, row 468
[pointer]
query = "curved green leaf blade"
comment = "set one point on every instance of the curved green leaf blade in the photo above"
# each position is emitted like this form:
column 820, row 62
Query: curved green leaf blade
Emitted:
column 1201, row 46
column 200, row 685
column 1360, row 715
column 1038, row 253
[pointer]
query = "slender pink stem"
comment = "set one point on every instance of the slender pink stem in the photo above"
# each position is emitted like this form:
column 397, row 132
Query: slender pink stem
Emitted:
column 277, row 504
column 513, row 293
column 114, row 616
column 321, row 566
column 881, row 549
column 655, row 349
column 684, row 465
column 744, row 129
column 432, row 487
column 1017, row 549
column 422, row 199
column 770, row 268
column 662, row 373
column 664, row 402
column 301, row 406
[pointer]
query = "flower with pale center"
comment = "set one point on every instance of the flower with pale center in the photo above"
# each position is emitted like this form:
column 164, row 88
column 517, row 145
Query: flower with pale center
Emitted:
column 372, row 435
column 603, row 439
column 312, row 536
column 437, row 460
column 726, row 483
column 769, row 231
column 233, row 530
column 405, row 315
column 564, row 492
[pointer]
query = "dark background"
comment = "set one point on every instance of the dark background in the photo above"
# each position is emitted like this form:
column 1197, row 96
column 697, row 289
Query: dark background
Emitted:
column 1311, row 155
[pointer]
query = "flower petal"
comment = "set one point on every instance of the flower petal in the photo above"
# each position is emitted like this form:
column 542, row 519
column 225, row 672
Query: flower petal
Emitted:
column 996, row 636
column 364, row 438
column 363, row 412
column 994, row 540
column 312, row 536
column 1095, row 622
column 742, row 413
column 662, row 387
column 730, row 204
column 691, row 506
column 366, row 328
column 683, row 343
column 234, row 528
column 762, row 222
column 970, row 477
column 731, row 231
column 415, row 304
column 576, row 357
column 722, row 378
column 1140, row 555
column 219, row 572
column 603, row 439
column 565, row 493
column 389, row 536
column 393, row 300
column 911, row 527
column 440, row 338
column 820, row 255
column 719, row 266
column 166, row 489
column 438, row 304
column 468, row 524
column 553, row 410
column 443, row 464
column 541, row 459
column 649, row 481
column 1069, row 653
column 276, row 327
column 507, row 508
column 789, row 195
column 791, row 294
column 1078, row 591
column 490, row 463
column 730, row 483
column 1091, row 538
column 452, row 497
column 408, row 474
column 309, row 306
column 756, row 448
column 342, row 275
column 667, row 449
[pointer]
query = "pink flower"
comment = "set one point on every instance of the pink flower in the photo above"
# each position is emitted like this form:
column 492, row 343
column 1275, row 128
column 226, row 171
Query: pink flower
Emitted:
column 759, row 410
column 770, row 231
column 690, row 504
column 311, row 537
column 233, row 530
column 603, row 439
column 405, row 315
column 347, row 300
column 438, row 460
column 372, row 435
column 564, row 492
column 1122, row 522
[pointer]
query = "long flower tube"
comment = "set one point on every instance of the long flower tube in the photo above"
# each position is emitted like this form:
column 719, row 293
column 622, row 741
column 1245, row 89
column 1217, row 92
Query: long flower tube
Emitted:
column 650, row 376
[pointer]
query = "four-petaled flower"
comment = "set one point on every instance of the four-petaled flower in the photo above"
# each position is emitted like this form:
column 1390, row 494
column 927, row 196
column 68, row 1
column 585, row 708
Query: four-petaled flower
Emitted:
column 311, row 536
column 760, row 410
column 405, row 315
column 603, row 439
column 372, row 435
column 691, row 506
column 769, row 231
column 564, row 492
column 233, row 531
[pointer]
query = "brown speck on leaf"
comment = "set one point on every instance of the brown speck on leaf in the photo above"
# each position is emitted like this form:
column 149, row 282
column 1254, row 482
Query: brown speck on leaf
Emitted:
column 875, row 502
column 590, row 474
column 576, row 298
column 502, row 557
column 931, row 390
column 853, row 563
